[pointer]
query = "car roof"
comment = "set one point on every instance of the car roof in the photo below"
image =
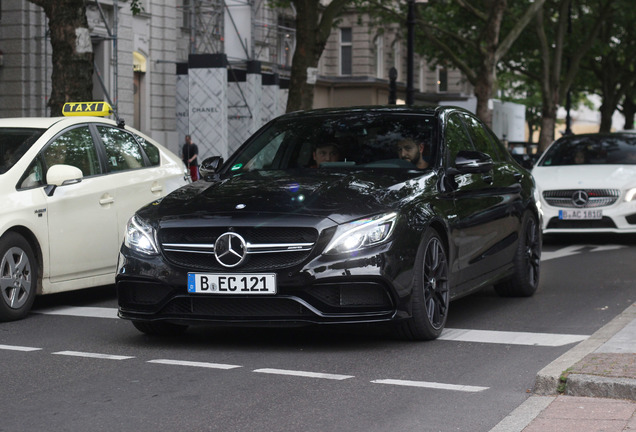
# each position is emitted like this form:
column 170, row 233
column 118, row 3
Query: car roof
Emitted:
column 374, row 109
column 47, row 122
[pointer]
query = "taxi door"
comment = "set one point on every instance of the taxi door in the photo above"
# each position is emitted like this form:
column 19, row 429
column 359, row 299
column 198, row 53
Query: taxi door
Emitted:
column 138, row 179
column 82, row 219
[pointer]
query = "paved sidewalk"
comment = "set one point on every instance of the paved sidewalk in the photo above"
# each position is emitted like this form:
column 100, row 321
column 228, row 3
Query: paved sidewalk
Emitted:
column 591, row 388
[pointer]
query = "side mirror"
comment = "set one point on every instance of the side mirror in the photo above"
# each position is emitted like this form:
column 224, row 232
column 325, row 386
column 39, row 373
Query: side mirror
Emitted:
column 62, row 175
column 471, row 162
column 210, row 166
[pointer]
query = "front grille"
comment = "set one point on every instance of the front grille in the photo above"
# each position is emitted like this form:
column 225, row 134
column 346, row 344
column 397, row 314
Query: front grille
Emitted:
column 605, row 222
column 352, row 294
column 267, row 248
column 236, row 308
column 595, row 197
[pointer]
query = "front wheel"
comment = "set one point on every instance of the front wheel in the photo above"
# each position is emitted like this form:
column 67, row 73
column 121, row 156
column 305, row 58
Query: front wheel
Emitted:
column 526, row 262
column 18, row 277
column 431, row 295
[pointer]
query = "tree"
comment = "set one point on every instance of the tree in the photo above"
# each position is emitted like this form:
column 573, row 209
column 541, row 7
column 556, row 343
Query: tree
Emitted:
column 468, row 36
column 314, row 23
column 72, row 53
column 551, row 53
column 612, row 62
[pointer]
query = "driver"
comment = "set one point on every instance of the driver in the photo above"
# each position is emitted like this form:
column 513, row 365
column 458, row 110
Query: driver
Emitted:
column 413, row 152
column 325, row 152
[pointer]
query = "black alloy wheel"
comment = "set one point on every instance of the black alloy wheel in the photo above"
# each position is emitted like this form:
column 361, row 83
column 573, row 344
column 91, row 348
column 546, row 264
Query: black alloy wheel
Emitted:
column 431, row 295
column 527, row 262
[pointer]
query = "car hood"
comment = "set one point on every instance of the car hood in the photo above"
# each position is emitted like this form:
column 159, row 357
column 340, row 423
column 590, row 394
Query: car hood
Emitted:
column 585, row 177
column 340, row 196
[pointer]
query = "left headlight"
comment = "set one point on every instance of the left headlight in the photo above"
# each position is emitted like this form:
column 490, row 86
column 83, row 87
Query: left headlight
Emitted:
column 140, row 236
column 630, row 195
column 362, row 233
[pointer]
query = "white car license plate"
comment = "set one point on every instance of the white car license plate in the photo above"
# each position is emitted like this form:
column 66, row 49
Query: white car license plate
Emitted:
column 240, row 283
column 580, row 214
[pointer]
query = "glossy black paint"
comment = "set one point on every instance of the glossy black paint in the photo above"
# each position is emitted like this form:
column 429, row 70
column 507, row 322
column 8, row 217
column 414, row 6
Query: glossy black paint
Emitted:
column 474, row 199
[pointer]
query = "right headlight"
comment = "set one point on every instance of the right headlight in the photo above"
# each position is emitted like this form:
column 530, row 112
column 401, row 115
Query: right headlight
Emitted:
column 140, row 236
column 630, row 195
column 361, row 234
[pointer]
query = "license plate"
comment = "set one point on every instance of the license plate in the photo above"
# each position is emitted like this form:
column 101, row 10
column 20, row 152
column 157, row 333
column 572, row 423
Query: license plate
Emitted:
column 580, row 214
column 241, row 283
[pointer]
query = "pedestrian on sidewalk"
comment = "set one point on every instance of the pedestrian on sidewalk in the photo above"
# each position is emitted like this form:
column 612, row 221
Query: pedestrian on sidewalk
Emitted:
column 189, row 154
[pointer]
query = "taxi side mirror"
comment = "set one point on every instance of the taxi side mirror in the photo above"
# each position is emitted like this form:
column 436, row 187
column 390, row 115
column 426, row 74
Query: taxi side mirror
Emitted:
column 62, row 175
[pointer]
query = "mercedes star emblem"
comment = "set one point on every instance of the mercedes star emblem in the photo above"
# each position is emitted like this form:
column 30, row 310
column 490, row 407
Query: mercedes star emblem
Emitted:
column 580, row 198
column 230, row 249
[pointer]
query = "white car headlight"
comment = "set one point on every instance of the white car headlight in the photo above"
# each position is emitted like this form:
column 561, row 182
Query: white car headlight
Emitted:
column 362, row 233
column 140, row 236
column 630, row 195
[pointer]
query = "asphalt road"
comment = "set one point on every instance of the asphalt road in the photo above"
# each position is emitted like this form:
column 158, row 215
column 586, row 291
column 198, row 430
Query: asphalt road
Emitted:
column 73, row 366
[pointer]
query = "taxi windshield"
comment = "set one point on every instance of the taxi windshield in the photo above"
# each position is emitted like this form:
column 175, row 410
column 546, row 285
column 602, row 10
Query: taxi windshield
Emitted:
column 14, row 143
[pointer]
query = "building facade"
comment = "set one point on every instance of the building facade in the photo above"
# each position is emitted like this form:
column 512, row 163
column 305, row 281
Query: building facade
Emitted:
column 149, row 66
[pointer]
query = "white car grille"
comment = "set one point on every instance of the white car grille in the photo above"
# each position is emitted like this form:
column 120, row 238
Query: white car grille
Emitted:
column 581, row 198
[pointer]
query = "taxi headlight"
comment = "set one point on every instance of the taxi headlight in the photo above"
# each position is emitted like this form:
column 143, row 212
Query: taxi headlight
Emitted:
column 140, row 236
column 361, row 234
column 630, row 195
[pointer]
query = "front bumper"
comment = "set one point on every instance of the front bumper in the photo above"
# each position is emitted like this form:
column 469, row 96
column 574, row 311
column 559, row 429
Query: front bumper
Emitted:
column 366, row 288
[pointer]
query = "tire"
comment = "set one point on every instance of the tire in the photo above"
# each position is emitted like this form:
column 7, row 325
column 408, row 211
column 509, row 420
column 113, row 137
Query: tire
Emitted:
column 526, row 262
column 431, row 295
column 18, row 277
column 159, row 328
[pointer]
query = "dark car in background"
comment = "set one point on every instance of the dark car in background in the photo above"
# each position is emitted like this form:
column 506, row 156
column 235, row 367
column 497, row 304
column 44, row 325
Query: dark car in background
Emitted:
column 273, row 236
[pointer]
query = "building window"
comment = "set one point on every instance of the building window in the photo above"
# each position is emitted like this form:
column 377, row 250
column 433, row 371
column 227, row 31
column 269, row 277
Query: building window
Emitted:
column 442, row 79
column 379, row 56
column 397, row 59
column 345, row 51
column 422, row 76
column 187, row 14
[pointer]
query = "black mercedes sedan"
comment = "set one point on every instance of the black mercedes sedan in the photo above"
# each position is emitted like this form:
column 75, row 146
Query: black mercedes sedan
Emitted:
column 348, row 215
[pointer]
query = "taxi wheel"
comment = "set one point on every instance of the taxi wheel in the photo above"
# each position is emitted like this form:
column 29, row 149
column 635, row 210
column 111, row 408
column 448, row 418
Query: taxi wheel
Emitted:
column 18, row 277
column 159, row 328
column 431, row 296
column 526, row 262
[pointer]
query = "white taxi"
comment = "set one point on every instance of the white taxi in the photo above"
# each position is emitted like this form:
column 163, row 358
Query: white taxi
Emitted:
column 68, row 186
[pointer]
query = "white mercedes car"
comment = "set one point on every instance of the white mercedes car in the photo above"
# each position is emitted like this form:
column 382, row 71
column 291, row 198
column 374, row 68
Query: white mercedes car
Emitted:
column 68, row 186
column 587, row 183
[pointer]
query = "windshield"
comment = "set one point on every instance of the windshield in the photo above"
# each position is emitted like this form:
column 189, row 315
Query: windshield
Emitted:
column 618, row 149
column 359, row 140
column 14, row 143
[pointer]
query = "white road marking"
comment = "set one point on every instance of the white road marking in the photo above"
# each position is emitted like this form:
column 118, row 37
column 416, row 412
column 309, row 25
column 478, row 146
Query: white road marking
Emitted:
column 194, row 364
column 510, row 338
column 18, row 348
column 575, row 249
column 433, row 385
column 303, row 374
column 92, row 312
column 93, row 355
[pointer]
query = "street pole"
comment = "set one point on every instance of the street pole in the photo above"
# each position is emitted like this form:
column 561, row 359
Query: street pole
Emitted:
column 410, row 24
column 568, row 99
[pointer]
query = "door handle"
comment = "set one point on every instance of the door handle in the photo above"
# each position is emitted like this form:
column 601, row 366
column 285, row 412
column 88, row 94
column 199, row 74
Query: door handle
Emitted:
column 106, row 199
column 156, row 188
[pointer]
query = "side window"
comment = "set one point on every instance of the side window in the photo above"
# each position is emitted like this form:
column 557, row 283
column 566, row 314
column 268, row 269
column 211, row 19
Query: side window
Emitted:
column 151, row 151
column 74, row 147
column 33, row 176
column 122, row 151
column 456, row 138
column 481, row 138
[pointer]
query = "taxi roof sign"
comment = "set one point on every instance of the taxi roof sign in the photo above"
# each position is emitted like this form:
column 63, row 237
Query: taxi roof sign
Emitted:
column 87, row 109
